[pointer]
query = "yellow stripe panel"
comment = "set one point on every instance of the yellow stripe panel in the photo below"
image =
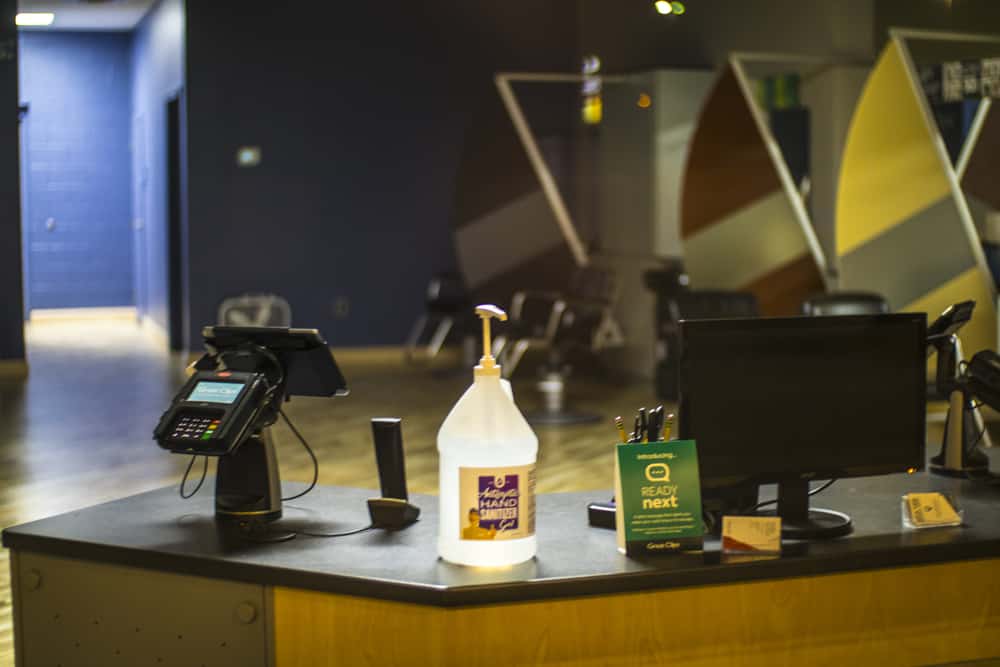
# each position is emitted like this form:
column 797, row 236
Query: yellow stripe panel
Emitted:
column 981, row 332
column 890, row 169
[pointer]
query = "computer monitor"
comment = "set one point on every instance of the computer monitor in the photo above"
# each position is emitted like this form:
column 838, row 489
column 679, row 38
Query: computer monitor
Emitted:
column 789, row 400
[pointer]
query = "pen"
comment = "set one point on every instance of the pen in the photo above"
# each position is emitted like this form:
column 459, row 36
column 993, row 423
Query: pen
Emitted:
column 643, row 426
column 620, row 425
column 668, row 426
column 636, row 434
column 655, row 423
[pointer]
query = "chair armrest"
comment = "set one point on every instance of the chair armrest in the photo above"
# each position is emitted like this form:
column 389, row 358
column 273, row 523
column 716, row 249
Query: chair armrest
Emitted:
column 545, row 311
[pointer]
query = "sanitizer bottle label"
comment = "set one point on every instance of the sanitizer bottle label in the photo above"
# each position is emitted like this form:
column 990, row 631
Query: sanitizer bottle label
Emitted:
column 496, row 503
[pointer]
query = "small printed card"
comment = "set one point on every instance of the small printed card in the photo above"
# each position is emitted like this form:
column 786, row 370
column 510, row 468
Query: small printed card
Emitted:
column 927, row 510
column 658, row 498
column 751, row 534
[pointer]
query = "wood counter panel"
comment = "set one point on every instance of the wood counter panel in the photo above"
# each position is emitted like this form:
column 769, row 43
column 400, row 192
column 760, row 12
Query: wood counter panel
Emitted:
column 905, row 616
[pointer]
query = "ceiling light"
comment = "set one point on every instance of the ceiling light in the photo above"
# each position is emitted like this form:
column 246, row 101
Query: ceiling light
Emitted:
column 663, row 7
column 34, row 18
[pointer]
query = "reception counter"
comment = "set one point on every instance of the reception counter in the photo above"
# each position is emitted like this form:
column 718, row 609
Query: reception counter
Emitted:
column 152, row 579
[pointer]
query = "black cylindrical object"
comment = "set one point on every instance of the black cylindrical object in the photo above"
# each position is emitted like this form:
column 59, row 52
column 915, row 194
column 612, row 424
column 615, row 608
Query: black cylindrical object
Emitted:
column 388, row 435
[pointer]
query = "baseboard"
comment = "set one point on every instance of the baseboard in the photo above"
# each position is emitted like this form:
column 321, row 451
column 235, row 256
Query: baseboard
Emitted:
column 13, row 369
column 381, row 355
column 393, row 355
column 155, row 331
column 109, row 313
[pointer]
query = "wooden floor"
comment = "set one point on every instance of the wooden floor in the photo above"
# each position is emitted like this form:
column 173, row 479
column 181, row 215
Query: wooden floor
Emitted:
column 79, row 431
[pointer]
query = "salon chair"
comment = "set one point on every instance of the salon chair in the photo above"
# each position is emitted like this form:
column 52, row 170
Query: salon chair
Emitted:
column 446, row 302
column 845, row 303
column 560, row 324
column 543, row 320
column 255, row 310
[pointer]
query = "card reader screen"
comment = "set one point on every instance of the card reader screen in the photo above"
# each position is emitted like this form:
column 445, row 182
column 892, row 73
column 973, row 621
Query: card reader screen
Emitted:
column 215, row 392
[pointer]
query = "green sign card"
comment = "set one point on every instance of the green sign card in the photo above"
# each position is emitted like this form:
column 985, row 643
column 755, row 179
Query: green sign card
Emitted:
column 658, row 498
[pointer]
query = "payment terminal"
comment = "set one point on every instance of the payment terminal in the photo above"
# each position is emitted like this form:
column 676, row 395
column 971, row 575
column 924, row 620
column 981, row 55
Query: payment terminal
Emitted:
column 213, row 412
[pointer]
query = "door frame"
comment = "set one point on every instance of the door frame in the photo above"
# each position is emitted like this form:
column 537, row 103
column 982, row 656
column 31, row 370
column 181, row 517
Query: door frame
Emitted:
column 176, row 222
column 23, row 116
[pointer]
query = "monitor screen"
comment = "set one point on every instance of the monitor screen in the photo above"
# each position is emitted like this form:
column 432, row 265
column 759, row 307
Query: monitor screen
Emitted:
column 809, row 397
column 215, row 392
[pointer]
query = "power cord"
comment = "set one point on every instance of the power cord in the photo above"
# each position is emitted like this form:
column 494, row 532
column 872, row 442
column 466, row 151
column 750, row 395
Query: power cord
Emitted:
column 309, row 451
column 187, row 471
column 973, row 408
column 344, row 534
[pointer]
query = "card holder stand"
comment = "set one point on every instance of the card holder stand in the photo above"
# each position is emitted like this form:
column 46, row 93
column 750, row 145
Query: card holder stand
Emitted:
column 920, row 511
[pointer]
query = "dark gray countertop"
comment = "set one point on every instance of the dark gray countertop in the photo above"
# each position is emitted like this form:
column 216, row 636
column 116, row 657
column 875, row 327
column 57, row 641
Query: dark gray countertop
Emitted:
column 158, row 530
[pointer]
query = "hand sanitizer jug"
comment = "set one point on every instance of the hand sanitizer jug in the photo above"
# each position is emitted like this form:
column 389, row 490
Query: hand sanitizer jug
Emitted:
column 487, row 471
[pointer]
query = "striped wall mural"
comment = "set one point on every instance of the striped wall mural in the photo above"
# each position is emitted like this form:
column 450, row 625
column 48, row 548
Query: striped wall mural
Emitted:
column 742, row 225
column 507, row 234
column 903, row 226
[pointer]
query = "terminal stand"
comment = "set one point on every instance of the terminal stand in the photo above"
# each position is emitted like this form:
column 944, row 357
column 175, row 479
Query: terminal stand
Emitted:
column 964, row 427
column 247, row 482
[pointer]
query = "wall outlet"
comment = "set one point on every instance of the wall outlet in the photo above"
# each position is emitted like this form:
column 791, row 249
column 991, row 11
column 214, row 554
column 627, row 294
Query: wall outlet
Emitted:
column 341, row 307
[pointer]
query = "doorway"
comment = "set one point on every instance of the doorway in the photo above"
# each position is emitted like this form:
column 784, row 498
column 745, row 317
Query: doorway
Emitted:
column 76, row 171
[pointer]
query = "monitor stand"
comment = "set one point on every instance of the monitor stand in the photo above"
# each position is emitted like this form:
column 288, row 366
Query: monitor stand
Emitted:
column 798, row 522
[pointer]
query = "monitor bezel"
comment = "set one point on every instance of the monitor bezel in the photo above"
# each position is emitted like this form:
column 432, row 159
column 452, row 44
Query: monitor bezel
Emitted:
column 913, row 461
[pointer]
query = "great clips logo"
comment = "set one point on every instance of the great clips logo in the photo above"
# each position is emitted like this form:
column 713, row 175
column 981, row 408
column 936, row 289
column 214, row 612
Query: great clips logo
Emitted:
column 499, row 501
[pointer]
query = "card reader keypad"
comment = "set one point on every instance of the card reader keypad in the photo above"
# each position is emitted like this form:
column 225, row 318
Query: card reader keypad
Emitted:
column 194, row 427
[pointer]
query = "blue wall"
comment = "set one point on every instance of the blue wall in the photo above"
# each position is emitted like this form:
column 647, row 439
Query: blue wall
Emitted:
column 77, row 168
column 359, row 142
column 11, row 311
column 360, row 113
column 157, row 76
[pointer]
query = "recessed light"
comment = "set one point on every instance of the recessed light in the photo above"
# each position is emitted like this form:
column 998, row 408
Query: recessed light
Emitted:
column 34, row 18
column 663, row 7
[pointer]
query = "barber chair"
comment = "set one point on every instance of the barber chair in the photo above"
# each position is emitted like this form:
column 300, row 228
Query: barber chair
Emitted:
column 255, row 310
column 693, row 305
column 446, row 302
column 557, row 324
column 845, row 303
column 541, row 320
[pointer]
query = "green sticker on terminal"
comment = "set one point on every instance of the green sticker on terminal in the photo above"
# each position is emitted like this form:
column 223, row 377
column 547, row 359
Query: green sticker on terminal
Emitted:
column 658, row 497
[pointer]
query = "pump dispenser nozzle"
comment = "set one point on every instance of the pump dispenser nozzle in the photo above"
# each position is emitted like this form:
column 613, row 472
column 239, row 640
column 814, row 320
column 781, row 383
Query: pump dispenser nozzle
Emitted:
column 487, row 364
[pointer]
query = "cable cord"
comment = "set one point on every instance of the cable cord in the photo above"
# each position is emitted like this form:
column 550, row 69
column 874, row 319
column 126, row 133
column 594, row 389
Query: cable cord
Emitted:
column 187, row 471
column 973, row 408
column 344, row 534
column 312, row 455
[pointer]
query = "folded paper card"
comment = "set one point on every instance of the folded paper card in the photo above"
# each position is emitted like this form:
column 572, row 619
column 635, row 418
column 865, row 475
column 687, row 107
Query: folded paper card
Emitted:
column 658, row 492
